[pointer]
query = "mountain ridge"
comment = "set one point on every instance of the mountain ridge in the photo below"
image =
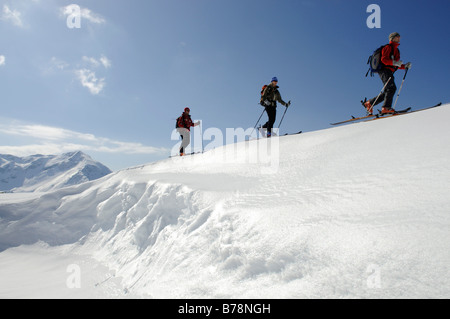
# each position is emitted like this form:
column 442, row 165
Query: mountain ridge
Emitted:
column 43, row 173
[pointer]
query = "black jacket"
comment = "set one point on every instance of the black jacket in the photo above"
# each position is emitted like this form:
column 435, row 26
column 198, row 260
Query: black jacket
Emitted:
column 272, row 95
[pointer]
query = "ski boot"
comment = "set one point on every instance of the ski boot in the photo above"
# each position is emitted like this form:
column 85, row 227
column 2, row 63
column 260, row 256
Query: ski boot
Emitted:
column 387, row 111
column 367, row 106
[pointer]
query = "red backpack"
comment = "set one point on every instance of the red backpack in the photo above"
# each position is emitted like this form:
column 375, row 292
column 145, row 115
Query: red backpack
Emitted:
column 262, row 93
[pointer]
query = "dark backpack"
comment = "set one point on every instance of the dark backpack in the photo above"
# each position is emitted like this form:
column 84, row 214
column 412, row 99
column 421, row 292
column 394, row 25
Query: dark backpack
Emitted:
column 374, row 62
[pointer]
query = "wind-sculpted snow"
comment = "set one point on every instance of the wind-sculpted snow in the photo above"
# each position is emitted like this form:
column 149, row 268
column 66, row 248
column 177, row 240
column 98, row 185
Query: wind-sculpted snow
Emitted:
column 356, row 211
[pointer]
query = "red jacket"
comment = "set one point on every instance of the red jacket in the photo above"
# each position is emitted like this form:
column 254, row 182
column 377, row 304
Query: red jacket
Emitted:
column 185, row 121
column 390, row 54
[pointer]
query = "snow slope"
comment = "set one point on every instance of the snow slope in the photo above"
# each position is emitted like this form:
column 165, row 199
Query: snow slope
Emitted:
column 43, row 173
column 358, row 211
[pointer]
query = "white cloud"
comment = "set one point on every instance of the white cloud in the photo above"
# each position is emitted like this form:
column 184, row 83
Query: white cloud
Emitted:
column 13, row 16
column 105, row 61
column 47, row 140
column 96, row 63
column 89, row 80
column 88, row 77
column 86, row 71
column 2, row 60
column 91, row 16
column 43, row 132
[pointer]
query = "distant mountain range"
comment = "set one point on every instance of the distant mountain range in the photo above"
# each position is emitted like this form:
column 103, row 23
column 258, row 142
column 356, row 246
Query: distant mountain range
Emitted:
column 42, row 173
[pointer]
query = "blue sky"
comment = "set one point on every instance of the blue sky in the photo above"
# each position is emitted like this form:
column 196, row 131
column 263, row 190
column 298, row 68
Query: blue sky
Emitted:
column 114, row 87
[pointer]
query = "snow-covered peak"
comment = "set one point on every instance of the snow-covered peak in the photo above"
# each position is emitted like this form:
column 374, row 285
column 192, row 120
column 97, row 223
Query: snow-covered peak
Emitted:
column 48, row 172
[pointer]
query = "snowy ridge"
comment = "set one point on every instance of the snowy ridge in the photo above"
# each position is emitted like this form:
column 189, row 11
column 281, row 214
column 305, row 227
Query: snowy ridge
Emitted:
column 357, row 211
column 43, row 173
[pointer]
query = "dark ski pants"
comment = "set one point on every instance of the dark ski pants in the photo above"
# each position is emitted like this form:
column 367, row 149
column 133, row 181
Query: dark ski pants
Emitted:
column 388, row 95
column 272, row 114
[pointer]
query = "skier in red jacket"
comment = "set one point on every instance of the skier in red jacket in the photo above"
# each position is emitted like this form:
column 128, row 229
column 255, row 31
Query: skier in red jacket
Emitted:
column 390, row 59
column 184, row 124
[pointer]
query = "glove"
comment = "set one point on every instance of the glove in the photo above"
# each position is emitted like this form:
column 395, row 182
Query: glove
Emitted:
column 408, row 65
column 288, row 104
column 398, row 63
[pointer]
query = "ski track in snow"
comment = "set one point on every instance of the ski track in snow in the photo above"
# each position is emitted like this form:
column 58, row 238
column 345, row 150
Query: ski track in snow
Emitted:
column 358, row 211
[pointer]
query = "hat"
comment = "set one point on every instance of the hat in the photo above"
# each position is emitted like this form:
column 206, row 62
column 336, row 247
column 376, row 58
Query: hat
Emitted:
column 187, row 109
column 274, row 79
column 393, row 35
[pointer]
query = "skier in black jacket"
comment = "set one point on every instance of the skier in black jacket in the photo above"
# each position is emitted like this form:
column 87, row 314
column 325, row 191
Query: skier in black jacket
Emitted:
column 269, row 98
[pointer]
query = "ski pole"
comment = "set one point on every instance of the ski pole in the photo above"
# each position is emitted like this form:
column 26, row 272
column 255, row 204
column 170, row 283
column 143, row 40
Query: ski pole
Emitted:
column 401, row 86
column 382, row 90
column 284, row 115
column 201, row 135
column 258, row 121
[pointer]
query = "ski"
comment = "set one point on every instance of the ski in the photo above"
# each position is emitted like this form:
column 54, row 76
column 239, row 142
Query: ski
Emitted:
column 427, row 108
column 384, row 116
column 188, row 154
column 353, row 119
column 406, row 111
column 287, row 134
column 379, row 116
